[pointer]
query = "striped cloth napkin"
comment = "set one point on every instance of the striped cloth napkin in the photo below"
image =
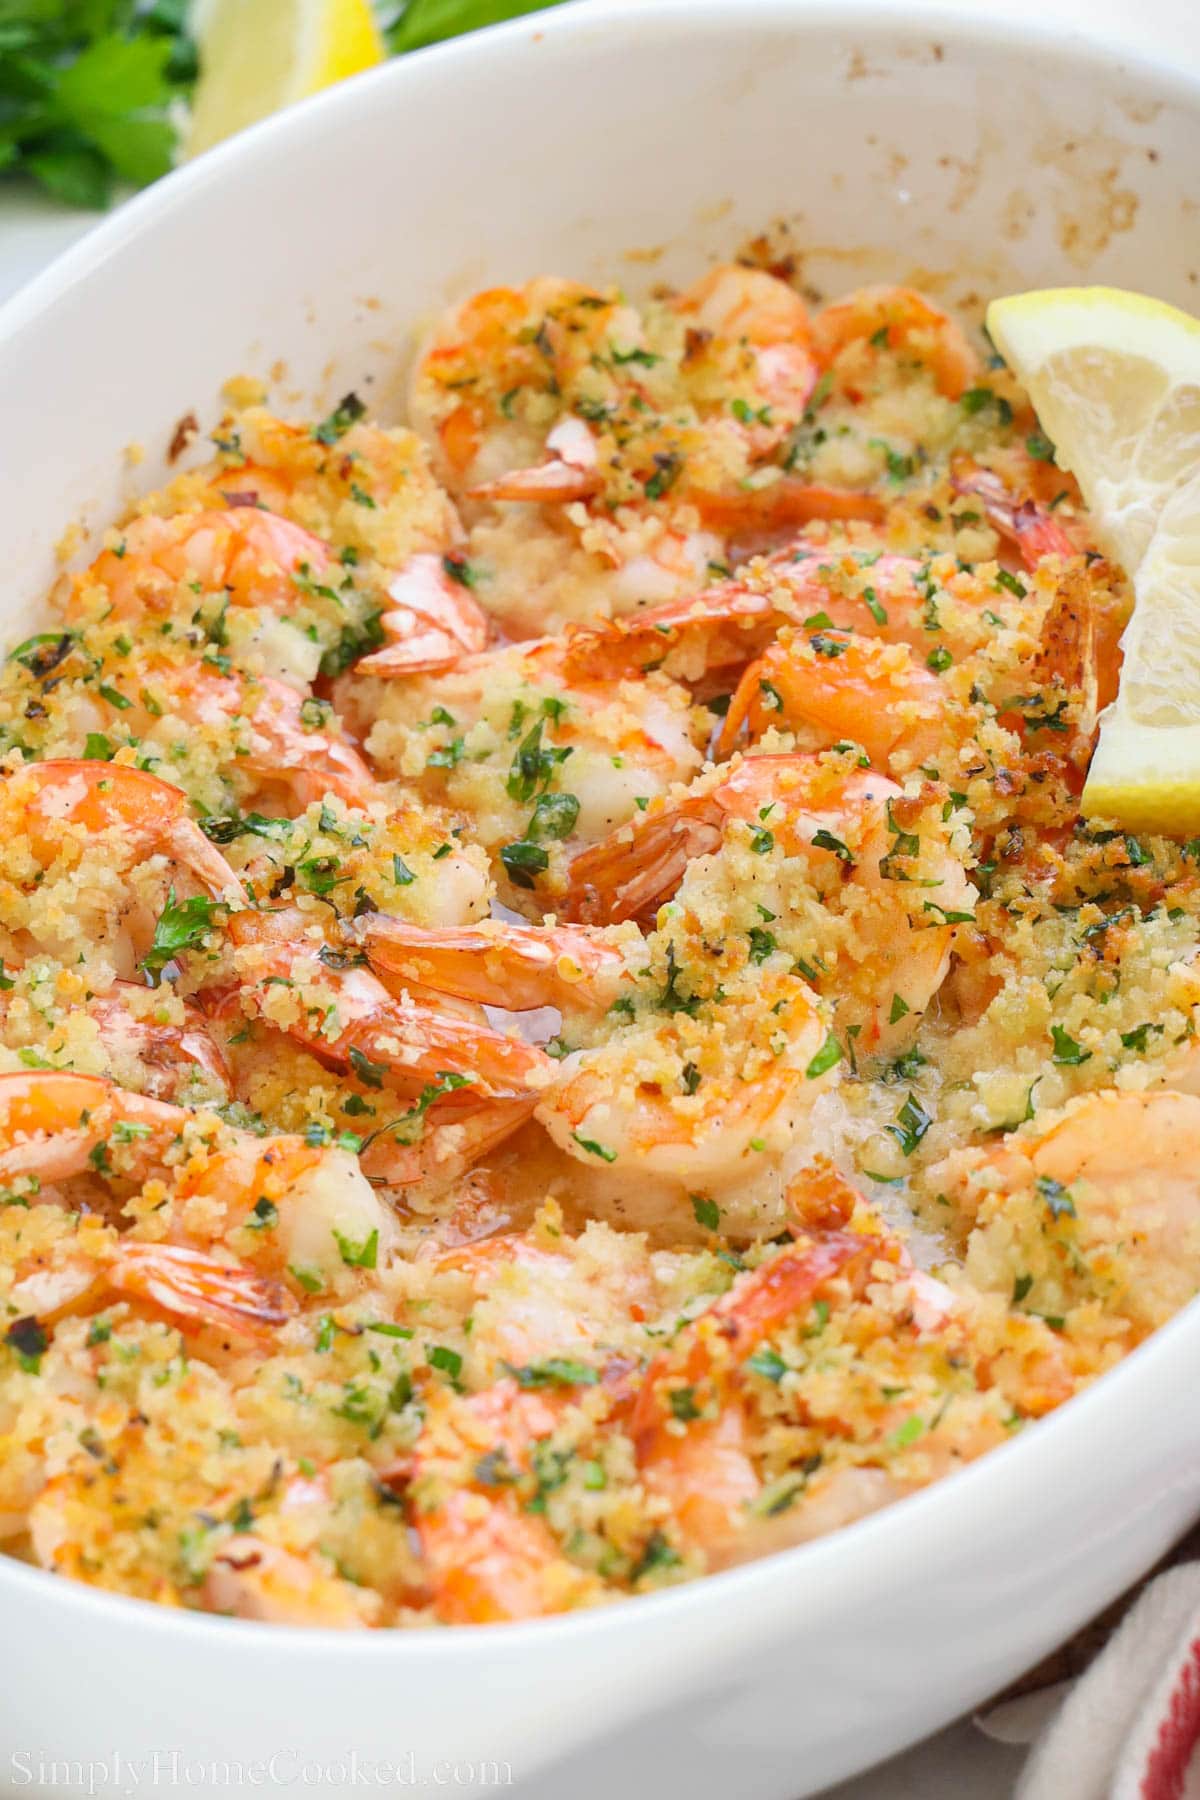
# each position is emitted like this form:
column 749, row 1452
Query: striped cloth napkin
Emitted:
column 1129, row 1727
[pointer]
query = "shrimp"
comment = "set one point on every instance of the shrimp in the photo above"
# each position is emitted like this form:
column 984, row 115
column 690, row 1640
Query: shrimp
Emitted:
column 924, row 603
column 748, row 336
column 570, row 472
column 696, row 1427
column 347, row 1018
column 847, row 870
column 285, row 745
column 535, row 757
column 486, row 1559
column 632, row 872
column 489, row 380
column 360, row 486
column 1025, row 525
column 278, row 1203
column 529, row 1303
column 839, row 686
column 708, row 1100
column 436, row 1145
column 432, row 621
column 780, row 505
column 198, row 1288
column 251, row 556
column 1035, row 533
column 270, row 593
column 58, row 806
column 1065, row 674
column 302, row 1214
column 264, row 734
column 720, row 627
column 55, row 1124
column 836, row 641
column 1100, row 1202
column 484, row 1562
column 850, row 332
column 513, row 966
column 643, row 440
column 163, row 1050
column 279, row 740
column 488, row 1563
column 169, row 1058
column 745, row 365
column 278, row 1575
column 829, row 686
column 195, row 1288
column 704, row 1471
column 249, row 1578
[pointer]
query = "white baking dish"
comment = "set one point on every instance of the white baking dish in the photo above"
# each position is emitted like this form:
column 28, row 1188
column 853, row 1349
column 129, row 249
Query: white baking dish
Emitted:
column 641, row 140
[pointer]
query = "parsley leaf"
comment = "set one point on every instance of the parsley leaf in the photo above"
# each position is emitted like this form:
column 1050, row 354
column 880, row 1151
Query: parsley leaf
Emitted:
column 181, row 926
column 86, row 88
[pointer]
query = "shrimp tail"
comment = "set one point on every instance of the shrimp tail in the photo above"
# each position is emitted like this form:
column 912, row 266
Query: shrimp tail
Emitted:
column 457, row 1131
column 516, row 967
column 570, row 473
column 628, row 874
column 553, row 483
column 786, row 505
column 433, row 623
column 1067, row 660
column 756, row 1306
column 1027, row 527
column 186, row 843
column 198, row 1289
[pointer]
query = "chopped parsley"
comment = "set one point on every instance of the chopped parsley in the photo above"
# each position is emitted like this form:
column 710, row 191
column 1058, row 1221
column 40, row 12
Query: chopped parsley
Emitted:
column 1067, row 1053
column 912, row 1122
column 363, row 1255
column 346, row 413
column 180, row 926
column 1059, row 1202
column 767, row 1363
column 524, row 862
column 440, row 1356
column 825, row 840
column 595, row 1149
column 707, row 1212
column 827, row 1057
column 553, row 1371
column 27, row 1337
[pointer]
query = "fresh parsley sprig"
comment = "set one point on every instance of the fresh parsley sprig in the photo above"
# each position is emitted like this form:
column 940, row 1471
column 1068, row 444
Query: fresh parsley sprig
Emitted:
column 86, row 92
column 92, row 92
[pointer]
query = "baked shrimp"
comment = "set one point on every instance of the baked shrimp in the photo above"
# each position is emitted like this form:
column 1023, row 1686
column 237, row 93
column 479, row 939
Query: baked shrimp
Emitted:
column 561, row 1027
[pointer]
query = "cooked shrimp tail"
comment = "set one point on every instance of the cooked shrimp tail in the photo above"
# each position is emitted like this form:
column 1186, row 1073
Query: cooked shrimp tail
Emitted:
column 1025, row 525
column 432, row 622
column 512, row 966
column 197, row 1289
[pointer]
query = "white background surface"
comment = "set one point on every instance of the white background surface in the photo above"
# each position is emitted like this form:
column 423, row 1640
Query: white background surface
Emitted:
column 960, row 1762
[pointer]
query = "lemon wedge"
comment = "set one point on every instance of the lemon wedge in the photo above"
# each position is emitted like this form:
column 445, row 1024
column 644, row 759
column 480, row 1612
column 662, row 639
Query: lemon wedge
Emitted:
column 257, row 56
column 1115, row 378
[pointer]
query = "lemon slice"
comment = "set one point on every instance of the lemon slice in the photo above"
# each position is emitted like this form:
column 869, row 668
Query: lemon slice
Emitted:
column 1115, row 378
column 259, row 55
column 1146, row 769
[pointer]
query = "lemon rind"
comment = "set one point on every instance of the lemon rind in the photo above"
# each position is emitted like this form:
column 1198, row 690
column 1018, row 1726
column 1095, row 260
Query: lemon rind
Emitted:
column 1028, row 329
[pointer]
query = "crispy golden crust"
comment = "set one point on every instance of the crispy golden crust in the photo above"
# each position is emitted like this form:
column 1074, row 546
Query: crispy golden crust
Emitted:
column 859, row 1130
